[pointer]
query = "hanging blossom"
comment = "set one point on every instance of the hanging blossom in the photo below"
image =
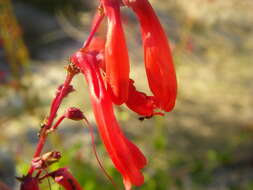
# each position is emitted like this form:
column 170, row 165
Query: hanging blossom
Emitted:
column 157, row 55
column 109, row 55
column 104, row 62
column 126, row 157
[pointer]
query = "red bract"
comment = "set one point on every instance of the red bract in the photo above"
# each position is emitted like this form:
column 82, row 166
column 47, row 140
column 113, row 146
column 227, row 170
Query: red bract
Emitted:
column 29, row 183
column 126, row 157
column 116, row 55
column 64, row 178
column 158, row 59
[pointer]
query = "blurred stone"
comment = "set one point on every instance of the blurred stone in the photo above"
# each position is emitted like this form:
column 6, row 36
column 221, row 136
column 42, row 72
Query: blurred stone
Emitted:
column 42, row 33
column 7, row 169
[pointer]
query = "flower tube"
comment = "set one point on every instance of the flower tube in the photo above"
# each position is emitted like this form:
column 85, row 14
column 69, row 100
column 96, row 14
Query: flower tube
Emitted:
column 157, row 55
column 116, row 54
column 126, row 157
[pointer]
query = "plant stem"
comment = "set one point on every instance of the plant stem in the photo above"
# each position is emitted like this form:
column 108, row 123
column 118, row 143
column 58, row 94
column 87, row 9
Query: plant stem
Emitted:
column 97, row 20
column 58, row 122
column 53, row 111
column 58, row 100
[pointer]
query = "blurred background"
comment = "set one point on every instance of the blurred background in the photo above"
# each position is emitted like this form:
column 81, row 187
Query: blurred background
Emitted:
column 205, row 143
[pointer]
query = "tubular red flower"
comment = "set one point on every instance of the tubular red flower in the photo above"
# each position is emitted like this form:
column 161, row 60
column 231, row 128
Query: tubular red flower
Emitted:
column 64, row 178
column 137, row 101
column 126, row 157
column 116, row 54
column 157, row 54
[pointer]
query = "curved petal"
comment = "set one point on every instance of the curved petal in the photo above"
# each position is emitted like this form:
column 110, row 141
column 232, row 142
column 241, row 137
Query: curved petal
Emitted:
column 140, row 103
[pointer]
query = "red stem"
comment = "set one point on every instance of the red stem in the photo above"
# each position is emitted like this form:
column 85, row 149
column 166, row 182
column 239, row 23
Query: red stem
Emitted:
column 58, row 100
column 40, row 145
column 97, row 20
column 59, row 97
column 54, row 108
column 58, row 122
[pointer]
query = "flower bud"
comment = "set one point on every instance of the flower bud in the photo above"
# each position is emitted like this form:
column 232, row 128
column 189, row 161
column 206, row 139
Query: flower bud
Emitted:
column 46, row 160
column 29, row 183
column 74, row 114
column 65, row 91
column 64, row 178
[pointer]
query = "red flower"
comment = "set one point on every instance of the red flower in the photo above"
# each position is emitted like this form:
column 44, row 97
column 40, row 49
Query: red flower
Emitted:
column 126, row 157
column 116, row 54
column 158, row 59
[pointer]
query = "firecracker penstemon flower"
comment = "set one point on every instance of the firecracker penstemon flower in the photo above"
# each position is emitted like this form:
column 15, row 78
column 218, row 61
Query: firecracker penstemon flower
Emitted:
column 104, row 62
column 158, row 59
column 126, row 157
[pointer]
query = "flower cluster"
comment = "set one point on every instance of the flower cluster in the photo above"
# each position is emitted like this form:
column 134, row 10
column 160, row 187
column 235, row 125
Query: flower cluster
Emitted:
column 157, row 55
column 116, row 87
column 104, row 62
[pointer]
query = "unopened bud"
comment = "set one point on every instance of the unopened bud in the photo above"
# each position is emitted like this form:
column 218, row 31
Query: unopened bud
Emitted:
column 64, row 178
column 74, row 114
column 65, row 91
column 29, row 183
column 46, row 160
